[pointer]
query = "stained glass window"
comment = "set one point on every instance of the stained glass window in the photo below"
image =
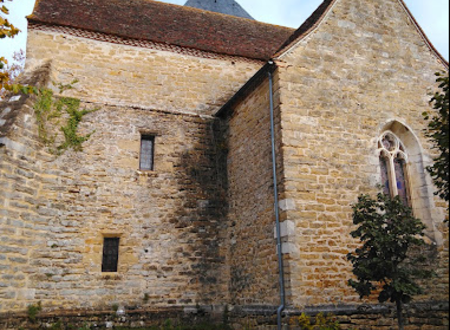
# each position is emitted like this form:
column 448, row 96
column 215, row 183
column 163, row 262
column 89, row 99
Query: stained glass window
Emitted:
column 385, row 175
column 110, row 254
column 401, row 180
column 393, row 166
column 147, row 151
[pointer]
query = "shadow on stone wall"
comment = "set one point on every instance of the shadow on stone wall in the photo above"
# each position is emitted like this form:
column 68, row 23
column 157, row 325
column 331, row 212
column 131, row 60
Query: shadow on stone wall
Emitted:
column 202, row 218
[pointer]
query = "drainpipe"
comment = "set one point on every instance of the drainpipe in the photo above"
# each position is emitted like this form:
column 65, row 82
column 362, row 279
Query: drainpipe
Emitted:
column 277, row 212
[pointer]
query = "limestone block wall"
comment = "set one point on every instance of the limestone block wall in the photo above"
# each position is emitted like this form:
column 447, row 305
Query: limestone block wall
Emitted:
column 56, row 212
column 126, row 75
column 253, row 255
column 23, row 226
column 363, row 70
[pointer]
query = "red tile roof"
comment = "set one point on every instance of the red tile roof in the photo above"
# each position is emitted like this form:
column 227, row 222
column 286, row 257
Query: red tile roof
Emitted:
column 166, row 23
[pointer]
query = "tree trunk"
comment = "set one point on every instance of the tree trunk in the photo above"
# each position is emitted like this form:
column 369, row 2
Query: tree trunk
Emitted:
column 401, row 321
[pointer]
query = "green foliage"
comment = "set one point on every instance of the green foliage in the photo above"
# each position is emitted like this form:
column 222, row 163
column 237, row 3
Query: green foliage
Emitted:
column 33, row 311
column 438, row 133
column 70, row 130
column 57, row 326
column 85, row 327
column 320, row 322
column 8, row 30
column 388, row 231
column 44, row 113
column 50, row 110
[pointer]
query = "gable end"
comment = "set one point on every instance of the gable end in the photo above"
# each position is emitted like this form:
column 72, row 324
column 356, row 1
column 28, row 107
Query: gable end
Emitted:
column 320, row 14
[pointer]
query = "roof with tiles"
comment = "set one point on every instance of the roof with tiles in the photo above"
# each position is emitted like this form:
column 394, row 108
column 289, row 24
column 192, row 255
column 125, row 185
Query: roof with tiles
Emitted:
column 166, row 23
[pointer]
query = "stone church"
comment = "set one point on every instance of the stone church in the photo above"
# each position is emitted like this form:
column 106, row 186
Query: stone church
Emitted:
column 171, row 207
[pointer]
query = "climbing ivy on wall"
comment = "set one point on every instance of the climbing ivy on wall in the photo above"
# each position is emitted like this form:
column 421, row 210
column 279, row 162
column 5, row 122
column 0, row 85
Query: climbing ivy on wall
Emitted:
column 58, row 119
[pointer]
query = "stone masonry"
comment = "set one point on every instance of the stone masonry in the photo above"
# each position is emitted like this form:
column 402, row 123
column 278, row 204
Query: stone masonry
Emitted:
column 65, row 207
column 341, row 87
column 196, row 233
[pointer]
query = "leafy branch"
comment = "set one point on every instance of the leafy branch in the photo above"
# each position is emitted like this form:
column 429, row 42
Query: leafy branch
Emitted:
column 50, row 111
column 8, row 30
column 438, row 133
column 384, row 263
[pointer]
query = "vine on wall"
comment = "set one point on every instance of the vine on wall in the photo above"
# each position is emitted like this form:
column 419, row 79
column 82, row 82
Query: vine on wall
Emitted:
column 58, row 119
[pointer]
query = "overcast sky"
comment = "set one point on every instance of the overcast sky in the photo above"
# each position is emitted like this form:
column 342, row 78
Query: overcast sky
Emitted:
column 432, row 16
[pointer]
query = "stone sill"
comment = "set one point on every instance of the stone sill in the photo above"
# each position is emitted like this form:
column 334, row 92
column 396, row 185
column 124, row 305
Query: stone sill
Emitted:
column 111, row 276
column 147, row 173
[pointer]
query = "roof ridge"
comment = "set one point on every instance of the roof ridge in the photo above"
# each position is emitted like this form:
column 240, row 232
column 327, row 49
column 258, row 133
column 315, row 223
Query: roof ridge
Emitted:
column 208, row 12
column 198, row 10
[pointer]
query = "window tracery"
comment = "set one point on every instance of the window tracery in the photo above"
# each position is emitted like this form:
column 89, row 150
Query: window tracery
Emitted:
column 393, row 159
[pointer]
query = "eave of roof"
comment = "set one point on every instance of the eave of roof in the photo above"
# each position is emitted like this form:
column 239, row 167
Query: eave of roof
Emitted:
column 248, row 88
column 166, row 23
column 423, row 35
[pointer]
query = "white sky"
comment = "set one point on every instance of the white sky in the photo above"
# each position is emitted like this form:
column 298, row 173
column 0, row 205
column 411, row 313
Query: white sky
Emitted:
column 432, row 16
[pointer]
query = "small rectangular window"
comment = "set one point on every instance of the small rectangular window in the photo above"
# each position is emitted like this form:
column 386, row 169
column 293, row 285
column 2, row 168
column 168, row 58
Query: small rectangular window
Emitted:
column 146, row 161
column 110, row 254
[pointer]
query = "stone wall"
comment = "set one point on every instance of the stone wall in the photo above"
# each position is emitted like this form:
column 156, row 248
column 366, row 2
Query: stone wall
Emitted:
column 22, row 224
column 125, row 75
column 57, row 210
column 351, row 317
column 251, row 217
column 363, row 70
column 367, row 317
column 109, row 318
column 199, row 229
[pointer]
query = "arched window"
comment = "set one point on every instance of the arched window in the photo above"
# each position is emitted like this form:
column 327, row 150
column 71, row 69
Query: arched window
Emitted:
column 393, row 160
column 403, row 172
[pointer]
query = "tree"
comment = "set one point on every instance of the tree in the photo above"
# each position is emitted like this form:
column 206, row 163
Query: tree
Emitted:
column 8, row 30
column 438, row 133
column 385, row 262
column 13, row 70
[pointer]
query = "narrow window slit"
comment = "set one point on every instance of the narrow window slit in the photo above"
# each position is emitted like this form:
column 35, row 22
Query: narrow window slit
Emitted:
column 146, row 162
column 110, row 259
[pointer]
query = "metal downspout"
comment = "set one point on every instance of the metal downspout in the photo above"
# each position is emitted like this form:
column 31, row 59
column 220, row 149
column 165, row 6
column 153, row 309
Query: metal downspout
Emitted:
column 277, row 212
